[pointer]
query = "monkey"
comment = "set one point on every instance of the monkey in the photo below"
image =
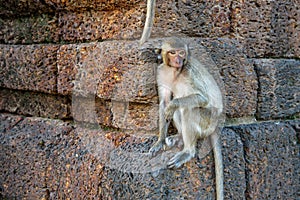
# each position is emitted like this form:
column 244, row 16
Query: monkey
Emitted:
column 190, row 96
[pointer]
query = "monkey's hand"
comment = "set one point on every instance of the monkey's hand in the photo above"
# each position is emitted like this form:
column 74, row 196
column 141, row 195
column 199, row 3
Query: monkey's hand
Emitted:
column 171, row 108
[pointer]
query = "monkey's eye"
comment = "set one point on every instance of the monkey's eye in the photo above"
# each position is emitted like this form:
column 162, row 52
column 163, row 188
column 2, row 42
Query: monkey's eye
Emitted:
column 182, row 53
column 172, row 52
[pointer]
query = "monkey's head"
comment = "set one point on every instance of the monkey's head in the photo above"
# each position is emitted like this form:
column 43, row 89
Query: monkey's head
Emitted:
column 174, row 52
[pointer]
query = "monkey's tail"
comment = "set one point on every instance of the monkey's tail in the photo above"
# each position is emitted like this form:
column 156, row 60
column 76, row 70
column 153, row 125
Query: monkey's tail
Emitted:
column 218, row 165
column 149, row 21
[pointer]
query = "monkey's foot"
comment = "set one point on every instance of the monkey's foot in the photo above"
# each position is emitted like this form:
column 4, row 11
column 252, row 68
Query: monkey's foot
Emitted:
column 180, row 158
column 172, row 140
column 156, row 147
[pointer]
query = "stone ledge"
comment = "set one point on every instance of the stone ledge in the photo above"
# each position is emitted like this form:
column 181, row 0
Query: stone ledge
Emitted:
column 44, row 158
column 57, row 159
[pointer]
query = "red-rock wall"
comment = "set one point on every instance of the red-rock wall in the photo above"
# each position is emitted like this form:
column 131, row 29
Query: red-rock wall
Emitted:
column 78, row 99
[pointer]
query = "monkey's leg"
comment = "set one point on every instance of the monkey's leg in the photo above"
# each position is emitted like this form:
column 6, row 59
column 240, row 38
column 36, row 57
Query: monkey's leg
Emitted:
column 161, row 142
column 175, row 139
column 190, row 129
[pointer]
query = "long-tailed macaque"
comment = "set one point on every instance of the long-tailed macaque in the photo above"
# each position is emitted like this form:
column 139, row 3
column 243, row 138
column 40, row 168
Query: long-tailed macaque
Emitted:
column 191, row 96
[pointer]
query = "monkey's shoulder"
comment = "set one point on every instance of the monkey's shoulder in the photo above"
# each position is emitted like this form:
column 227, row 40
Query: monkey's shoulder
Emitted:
column 196, row 67
column 199, row 73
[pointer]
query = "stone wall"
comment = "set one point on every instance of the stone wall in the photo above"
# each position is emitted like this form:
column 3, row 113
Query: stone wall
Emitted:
column 79, row 105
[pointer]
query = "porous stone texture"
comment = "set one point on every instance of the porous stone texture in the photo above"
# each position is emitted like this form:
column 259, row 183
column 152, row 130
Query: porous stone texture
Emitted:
column 268, row 28
column 234, row 160
column 93, row 25
column 111, row 70
column 117, row 114
column 29, row 7
column 80, row 61
column 30, row 29
column 35, row 104
column 72, row 21
column 114, row 73
column 31, row 67
column 278, row 93
column 98, row 20
column 134, row 116
column 272, row 159
column 50, row 159
column 16, row 8
column 91, row 110
column 25, row 150
column 106, row 5
column 8, row 122
column 194, row 18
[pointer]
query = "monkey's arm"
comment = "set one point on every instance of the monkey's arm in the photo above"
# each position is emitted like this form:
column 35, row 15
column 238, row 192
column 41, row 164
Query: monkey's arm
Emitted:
column 191, row 101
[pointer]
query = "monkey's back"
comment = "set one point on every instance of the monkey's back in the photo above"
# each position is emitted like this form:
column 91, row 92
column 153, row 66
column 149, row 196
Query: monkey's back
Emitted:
column 206, row 83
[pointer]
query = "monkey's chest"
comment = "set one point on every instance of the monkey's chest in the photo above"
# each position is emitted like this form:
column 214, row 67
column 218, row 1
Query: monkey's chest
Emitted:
column 178, row 84
column 182, row 88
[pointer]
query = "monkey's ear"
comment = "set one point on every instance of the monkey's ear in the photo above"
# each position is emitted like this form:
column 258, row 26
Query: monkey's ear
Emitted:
column 158, row 53
column 150, row 55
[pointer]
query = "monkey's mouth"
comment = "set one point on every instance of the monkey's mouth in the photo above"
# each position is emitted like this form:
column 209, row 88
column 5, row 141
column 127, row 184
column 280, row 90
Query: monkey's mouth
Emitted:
column 177, row 64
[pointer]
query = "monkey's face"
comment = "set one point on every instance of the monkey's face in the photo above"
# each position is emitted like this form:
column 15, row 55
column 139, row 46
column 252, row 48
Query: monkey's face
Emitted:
column 176, row 58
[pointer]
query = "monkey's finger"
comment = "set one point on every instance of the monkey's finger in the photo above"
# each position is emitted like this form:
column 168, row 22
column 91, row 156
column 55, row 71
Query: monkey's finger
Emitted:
column 155, row 148
column 179, row 159
column 153, row 151
column 174, row 164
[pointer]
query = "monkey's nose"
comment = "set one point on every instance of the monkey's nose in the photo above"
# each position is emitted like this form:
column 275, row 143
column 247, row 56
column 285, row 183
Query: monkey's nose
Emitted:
column 178, row 60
